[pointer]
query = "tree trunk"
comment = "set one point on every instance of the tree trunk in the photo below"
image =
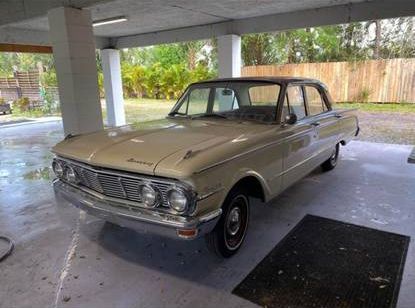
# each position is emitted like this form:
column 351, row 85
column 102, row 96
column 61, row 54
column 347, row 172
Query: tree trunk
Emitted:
column 376, row 52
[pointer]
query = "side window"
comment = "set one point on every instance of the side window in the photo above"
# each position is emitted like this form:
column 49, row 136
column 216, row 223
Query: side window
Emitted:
column 196, row 102
column 264, row 95
column 315, row 102
column 294, row 102
column 225, row 100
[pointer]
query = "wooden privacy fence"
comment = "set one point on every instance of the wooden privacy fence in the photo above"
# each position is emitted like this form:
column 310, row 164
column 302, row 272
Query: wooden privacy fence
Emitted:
column 24, row 84
column 380, row 81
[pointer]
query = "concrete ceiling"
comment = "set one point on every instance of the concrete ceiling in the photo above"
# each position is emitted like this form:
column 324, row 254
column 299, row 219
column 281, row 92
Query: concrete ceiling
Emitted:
column 149, row 18
column 146, row 16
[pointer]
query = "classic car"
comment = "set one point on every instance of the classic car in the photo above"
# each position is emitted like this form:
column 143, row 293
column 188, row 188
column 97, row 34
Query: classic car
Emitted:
column 194, row 172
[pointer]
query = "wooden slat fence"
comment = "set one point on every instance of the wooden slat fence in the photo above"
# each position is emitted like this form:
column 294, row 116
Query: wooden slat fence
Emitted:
column 22, row 84
column 384, row 81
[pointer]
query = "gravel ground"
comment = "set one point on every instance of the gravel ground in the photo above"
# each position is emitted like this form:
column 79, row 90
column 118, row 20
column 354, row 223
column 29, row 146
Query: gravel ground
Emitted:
column 387, row 127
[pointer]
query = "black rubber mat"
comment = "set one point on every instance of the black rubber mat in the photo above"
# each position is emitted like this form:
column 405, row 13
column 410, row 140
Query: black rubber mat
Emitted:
column 328, row 263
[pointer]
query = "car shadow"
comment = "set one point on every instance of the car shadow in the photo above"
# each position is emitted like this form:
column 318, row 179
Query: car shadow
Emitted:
column 191, row 260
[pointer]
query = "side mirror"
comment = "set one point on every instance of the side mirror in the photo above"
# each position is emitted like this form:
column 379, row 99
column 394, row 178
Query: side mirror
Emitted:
column 291, row 118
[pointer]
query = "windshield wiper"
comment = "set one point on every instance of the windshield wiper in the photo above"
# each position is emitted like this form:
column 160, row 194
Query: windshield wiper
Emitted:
column 210, row 115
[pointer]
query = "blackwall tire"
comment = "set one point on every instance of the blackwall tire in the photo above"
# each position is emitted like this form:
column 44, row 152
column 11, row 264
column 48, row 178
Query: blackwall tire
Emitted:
column 229, row 233
column 331, row 163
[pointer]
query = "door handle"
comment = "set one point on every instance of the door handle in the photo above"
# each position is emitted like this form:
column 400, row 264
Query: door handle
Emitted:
column 338, row 116
column 315, row 123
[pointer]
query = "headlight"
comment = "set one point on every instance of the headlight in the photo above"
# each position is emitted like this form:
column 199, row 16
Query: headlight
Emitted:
column 149, row 196
column 71, row 175
column 57, row 168
column 177, row 200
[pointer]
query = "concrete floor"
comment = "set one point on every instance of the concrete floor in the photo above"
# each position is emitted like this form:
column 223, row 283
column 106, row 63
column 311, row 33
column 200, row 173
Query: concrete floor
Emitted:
column 84, row 262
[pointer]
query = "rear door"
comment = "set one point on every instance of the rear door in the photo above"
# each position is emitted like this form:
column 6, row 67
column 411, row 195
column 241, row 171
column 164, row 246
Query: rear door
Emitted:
column 324, row 121
column 299, row 144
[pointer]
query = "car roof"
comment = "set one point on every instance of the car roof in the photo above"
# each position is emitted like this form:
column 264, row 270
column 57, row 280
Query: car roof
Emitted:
column 271, row 79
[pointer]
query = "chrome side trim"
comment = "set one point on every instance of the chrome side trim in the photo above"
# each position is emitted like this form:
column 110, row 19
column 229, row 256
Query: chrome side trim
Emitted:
column 205, row 196
column 211, row 215
column 303, row 161
column 253, row 150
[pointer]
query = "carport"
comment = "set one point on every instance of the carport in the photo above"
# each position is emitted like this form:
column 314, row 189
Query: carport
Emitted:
column 99, row 265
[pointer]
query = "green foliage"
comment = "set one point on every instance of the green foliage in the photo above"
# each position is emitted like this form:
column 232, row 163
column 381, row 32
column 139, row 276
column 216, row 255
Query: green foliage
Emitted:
column 377, row 107
column 10, row 61
column 346, row 42
column 101, row 84
column 48, row 78
column 363, row 95
column 260, row 49
column 23, row 104
column 50, row 104
column 2, row 101
column 160, row 82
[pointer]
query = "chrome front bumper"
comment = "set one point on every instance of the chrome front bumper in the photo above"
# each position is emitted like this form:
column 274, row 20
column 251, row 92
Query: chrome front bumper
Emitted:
column 139, row 218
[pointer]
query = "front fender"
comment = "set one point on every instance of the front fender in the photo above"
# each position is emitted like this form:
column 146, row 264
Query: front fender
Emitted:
column 243, row 173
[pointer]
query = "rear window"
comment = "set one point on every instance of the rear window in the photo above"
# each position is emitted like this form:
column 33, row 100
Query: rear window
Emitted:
column 315, row 102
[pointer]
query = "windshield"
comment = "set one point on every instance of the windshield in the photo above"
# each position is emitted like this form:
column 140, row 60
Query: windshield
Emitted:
column 241, row 100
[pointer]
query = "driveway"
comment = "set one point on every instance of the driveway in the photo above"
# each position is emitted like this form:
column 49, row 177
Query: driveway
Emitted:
column 67, row 259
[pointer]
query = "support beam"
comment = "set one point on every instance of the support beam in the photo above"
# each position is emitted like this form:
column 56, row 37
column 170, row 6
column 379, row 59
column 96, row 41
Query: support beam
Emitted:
column 338, row 14
column 113, row 87
column 12, row 35
column 74, row 54
column 25, row 48
column 229, row 56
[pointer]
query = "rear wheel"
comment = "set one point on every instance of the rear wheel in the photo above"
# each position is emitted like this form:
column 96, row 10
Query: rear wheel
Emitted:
column 228, row 235
column 331, row 163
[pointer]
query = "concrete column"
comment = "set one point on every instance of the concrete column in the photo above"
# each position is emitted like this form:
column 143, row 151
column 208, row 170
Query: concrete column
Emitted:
column 229, row 56
column 113, row 87
column 72, row 39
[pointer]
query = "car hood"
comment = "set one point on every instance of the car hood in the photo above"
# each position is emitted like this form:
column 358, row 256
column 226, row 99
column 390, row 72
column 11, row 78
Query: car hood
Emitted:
column 141, row 147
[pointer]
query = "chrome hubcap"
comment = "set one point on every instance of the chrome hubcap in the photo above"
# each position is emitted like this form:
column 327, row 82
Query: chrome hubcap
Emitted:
column 234, row 221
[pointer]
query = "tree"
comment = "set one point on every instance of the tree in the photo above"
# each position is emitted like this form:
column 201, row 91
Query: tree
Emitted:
column 376, row 52
column 260, row 49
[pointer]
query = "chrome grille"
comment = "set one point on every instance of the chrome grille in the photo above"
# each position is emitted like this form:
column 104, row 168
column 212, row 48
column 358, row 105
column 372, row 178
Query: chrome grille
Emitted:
column 117, row 186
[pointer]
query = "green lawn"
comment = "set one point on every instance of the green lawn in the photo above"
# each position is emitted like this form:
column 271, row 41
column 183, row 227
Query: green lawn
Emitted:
column 390, row 107
column 144, row 109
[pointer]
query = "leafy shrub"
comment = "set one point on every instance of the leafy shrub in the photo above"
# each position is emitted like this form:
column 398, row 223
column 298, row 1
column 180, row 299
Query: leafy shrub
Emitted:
column 160, row 82
column 23, row 104
column 2, row 101
column 364, row 95
column 50, row 105
column 49, row 79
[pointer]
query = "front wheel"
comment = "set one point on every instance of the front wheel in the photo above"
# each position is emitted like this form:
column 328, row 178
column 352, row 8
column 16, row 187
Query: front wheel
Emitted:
column 331, row 163
column 228, row 235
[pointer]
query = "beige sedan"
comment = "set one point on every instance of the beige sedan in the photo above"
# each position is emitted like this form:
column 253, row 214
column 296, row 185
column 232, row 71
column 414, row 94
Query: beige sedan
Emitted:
column 194, row 172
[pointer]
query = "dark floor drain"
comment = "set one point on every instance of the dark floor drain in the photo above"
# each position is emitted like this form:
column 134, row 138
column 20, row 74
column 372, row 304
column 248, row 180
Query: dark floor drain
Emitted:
column 328, row 263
